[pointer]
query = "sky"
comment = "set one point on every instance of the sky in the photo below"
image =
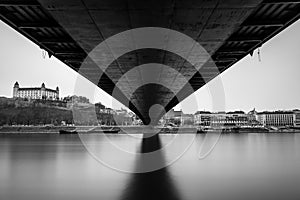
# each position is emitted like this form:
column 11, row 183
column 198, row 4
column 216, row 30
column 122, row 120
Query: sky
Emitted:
column 270, row 84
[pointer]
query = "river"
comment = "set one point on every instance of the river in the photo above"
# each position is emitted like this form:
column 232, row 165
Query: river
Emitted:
column 240, row 166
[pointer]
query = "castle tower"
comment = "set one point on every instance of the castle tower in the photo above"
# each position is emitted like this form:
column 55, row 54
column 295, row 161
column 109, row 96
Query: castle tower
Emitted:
column 57, row 93
column 43, row 91
column 15, row 90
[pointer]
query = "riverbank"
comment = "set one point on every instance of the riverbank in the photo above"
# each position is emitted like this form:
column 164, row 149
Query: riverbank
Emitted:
column 132, row 130
column 33, row 129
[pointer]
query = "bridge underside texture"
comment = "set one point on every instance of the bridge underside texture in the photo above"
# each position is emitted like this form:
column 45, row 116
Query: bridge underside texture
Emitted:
column 227, row 29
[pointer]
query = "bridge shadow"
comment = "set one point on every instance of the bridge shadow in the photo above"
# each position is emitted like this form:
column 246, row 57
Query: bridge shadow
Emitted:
column 151, row 185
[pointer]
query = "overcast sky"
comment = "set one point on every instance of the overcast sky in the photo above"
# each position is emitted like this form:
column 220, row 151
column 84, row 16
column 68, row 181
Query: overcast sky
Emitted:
column 270, row 84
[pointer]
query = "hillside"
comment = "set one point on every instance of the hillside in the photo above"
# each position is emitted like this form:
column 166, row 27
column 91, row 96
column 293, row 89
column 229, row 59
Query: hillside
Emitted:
column 16, row 111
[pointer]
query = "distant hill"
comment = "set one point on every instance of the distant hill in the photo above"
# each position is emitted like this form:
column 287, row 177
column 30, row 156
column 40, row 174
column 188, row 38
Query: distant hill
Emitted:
column 77, row 111
column 19, row 111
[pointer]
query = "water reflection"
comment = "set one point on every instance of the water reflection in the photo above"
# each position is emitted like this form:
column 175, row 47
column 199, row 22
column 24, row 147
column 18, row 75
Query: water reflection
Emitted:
column 151, row 185
column 241, row 166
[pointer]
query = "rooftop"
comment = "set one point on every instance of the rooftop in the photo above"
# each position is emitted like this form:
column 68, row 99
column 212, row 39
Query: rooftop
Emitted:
column 276, row 112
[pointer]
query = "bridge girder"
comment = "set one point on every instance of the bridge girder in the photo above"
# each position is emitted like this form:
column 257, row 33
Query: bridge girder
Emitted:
column 228, row 30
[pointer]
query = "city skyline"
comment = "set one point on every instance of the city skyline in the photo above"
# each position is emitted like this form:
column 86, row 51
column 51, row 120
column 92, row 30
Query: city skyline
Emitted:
column 267, row 85
column 174, row 109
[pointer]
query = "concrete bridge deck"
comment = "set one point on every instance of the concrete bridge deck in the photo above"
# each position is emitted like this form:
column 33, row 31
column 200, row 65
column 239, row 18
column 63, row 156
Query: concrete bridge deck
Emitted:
column 227, row 29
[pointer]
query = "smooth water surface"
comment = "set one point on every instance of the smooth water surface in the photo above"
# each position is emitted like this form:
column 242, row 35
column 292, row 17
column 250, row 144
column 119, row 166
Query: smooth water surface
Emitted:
column 241, row 166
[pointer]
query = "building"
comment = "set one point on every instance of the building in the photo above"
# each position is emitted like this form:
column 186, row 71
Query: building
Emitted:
column 220, row 119
column 252, row 115
column 178, row 118
column 252, row 118
column 277, row 118
column 202, row 118
column 109, row 116
column 297, row 118
column 77, row 101
column 35, row 92
column 123, row 117
column 238, row 118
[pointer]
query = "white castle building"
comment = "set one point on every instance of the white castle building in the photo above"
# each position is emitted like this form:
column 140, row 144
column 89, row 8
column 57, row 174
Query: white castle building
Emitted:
column 35, row 92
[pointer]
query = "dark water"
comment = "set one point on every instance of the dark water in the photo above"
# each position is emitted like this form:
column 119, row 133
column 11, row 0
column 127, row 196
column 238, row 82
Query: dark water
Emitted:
column 246, row 166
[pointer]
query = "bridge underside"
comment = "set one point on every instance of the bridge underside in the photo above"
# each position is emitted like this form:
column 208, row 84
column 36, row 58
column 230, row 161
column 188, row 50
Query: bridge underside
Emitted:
column 228, row 30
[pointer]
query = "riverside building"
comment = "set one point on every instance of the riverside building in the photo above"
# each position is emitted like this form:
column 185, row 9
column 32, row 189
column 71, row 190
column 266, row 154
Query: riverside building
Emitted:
column 178, row 118
column 35, row 92
column 297, row 117
column 220, row 119
column 277, row 118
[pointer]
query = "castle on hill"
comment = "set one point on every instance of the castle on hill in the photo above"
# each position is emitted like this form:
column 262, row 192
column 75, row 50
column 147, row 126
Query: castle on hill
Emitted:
column 35, row 92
